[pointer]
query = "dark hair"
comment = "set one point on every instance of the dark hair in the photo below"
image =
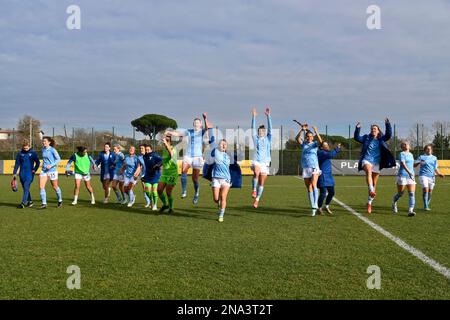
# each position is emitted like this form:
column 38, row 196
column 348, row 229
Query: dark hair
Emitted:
column 143, row 145
column 196, row 119
column 108, row 144
column 379, row 130
column 81, row 149
column 49, row 139
column 428, row 145
column 26, row 143
column 308, row 132
column 261, row 127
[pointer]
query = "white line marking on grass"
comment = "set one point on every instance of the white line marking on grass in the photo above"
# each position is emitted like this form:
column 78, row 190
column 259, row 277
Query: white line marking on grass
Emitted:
column 402, row 244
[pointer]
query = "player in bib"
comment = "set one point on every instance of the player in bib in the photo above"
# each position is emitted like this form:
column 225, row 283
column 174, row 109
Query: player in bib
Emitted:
column 118, row 179
column 310, row 163
column 27, row 162
column 169, row 177
column 375, row 156
column 105, row 161
column 50, row 160
column 130, row 171
column 143, row 150
column 82, row 163
column 261, row 157
column 428, row 169
column 405, row 179
column 152, row 164
column 193, row 156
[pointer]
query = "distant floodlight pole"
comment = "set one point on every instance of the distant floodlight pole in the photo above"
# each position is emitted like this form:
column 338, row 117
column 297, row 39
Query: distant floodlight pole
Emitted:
column 418, row 140
column 73, row 139
column 395, row 141
column 326, row 131
column 14, row 143
column 31, row 132
column 349, row 143
column 93, row 141
column 282, row 151
column 442, row 141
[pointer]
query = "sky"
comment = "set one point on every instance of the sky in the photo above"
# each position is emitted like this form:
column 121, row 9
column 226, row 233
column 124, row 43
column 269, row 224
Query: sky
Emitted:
column 315, row 61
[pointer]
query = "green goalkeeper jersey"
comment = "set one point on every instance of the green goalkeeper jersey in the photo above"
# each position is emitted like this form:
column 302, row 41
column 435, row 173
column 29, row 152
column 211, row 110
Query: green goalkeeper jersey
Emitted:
column 170, row 163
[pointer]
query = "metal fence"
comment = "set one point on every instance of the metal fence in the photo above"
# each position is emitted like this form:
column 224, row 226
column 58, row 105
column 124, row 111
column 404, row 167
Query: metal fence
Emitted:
column 288, row 152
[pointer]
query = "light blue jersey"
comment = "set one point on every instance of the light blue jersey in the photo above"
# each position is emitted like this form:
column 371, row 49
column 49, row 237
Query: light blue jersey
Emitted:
column 309, row 155
column 408, row 158
column 195, row 142
column 373, row 154
column 142, row 162
column 428, row 165
column 221, row 169
column 262, row 144
column 120, row 158
column 132, row 163
column 51, row 158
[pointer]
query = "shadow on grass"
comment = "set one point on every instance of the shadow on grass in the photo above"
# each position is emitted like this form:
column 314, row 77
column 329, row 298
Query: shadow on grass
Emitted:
column 9, row 204
column 196, row 212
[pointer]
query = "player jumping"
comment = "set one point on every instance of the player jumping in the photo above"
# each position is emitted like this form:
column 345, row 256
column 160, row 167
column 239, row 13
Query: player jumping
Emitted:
column 261, row 158
column 375, row 156
column 310, row 163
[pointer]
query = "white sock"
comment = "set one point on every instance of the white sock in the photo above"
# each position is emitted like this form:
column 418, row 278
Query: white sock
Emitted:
column 75, row 198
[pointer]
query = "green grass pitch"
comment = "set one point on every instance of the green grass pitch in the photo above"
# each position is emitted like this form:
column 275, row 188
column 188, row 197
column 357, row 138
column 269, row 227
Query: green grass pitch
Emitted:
column 275, row 252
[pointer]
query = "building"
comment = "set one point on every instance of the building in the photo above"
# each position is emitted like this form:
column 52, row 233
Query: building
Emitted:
column 6, row 134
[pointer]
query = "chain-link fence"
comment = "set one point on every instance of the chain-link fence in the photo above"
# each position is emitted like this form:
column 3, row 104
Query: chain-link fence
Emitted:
column 285, row 150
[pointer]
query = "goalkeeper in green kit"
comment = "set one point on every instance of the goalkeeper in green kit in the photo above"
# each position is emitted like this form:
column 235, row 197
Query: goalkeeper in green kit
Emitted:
column 82, row 163
column 169, row 175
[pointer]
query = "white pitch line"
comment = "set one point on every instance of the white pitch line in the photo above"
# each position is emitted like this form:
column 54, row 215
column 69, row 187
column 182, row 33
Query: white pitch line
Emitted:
column 402, row 244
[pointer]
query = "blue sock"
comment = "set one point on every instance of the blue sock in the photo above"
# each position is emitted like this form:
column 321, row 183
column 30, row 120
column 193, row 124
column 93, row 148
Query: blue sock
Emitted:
column 397, row 196
column 412, row 201
column 311, row 198
column 425, row 199
column 254, row 184
column 117, row 195
column 147, row 199
column 58, row 194
column 429, row 198
column 316, row 196
column 260, row 192
column 183, row 182
column 196, row 188
column 43, row 196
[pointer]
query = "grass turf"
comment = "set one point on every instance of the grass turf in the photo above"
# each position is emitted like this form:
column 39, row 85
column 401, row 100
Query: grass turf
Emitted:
column 275, row 252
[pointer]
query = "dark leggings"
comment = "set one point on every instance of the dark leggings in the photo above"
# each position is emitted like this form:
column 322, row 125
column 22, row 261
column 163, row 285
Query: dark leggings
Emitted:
column 323, row 194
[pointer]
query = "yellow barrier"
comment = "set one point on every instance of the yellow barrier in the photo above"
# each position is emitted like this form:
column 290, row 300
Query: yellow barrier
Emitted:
column 8, row 167
column 244, row 164
column 444, row 166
